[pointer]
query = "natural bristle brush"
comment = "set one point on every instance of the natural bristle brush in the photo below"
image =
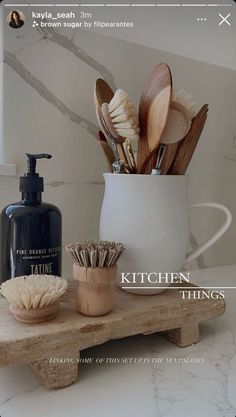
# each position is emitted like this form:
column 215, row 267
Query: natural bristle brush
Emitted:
column 121, row 121
column 95, row 254
column 121, row 117
column 34, row 298
column 104, row 94
column 118, row 120
column 95, row 267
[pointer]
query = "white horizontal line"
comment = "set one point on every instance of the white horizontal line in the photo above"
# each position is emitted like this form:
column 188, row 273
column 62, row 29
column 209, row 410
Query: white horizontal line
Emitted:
column 14, row 5
column 143, row 5
column 219, row 5
column 117, row 5
column 178, row 288
column 194, row 5
column 39, row 4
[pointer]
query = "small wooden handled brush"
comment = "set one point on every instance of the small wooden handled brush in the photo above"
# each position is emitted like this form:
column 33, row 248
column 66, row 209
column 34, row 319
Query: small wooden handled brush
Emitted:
column 95, row 268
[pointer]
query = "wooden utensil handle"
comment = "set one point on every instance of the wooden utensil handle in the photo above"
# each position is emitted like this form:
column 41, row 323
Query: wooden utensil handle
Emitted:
column 109, row 154
column 167, row 162
column 131, row 157
column 122, row 153
column 169, row 157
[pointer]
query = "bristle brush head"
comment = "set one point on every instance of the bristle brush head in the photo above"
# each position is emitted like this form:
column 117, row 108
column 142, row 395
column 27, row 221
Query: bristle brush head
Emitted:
column 185, row 99
column 122, row 115
column 33, row 291
column 95, row 254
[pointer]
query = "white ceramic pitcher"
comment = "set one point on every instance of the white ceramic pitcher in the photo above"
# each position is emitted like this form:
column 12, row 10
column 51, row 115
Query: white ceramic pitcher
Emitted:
column 150, row 215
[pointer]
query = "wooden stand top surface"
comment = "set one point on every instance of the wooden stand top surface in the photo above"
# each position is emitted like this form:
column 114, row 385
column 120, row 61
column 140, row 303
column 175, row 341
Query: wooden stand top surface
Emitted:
column 132, row 314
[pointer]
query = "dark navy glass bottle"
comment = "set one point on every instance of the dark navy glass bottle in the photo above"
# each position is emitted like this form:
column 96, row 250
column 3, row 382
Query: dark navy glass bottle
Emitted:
column 31, row 236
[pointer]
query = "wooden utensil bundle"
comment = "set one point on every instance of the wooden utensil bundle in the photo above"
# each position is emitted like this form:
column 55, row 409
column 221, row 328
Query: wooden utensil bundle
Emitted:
column 163, row 120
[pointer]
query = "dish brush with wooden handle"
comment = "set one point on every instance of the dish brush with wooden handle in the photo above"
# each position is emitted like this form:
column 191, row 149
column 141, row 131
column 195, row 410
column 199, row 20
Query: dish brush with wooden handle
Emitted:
column 121, row 117
column 121, row 121
column 34, row 298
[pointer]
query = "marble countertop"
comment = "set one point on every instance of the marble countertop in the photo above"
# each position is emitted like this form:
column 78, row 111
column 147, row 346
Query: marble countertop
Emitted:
column 162, row 380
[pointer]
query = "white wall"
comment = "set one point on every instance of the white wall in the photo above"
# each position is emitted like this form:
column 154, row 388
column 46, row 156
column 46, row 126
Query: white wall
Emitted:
column 176, row 30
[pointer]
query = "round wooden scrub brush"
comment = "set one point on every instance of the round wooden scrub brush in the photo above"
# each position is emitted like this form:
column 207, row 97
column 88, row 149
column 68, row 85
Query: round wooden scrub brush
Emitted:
column 95, row 269
column 120, row 117
column 34, row 298
column 95, row 254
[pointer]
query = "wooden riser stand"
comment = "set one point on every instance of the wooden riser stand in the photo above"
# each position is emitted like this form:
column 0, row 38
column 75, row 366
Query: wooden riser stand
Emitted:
column 63, row 338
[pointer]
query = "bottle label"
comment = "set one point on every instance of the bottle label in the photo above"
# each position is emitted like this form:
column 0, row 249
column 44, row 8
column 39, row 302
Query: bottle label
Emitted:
column 38, row 261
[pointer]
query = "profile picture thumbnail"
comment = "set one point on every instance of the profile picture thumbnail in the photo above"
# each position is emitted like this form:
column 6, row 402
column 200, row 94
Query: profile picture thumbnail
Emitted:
column 16, row 19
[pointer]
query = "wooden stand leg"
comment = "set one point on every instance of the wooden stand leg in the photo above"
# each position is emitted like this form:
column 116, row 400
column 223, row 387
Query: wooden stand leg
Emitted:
column 184, row 336
column 57, row 371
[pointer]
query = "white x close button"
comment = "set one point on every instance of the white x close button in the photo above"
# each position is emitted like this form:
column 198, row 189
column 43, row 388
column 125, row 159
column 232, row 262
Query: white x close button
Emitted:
column 224, row 19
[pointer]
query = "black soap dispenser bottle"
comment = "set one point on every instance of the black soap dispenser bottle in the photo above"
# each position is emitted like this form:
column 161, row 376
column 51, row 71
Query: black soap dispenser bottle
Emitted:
column 31, row 230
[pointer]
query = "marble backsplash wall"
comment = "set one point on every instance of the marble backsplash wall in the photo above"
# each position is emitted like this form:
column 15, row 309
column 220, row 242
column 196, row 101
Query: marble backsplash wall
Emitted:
column 48, row 107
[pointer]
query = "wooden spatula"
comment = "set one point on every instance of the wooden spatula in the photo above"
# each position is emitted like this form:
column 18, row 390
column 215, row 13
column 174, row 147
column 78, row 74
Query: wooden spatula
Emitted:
column 153, row 113
column 187, row 146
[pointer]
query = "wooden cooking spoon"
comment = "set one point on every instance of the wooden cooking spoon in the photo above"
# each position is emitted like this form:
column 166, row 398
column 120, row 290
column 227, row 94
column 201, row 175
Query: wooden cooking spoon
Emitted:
column 187, row 146
column 102, row 92
column 153, row 113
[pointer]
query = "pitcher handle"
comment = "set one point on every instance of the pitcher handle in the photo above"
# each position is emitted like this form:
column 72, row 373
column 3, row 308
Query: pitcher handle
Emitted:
column 198, row 251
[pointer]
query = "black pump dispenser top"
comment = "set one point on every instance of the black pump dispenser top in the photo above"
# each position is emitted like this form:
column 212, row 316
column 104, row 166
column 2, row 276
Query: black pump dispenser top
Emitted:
column 31, row 184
